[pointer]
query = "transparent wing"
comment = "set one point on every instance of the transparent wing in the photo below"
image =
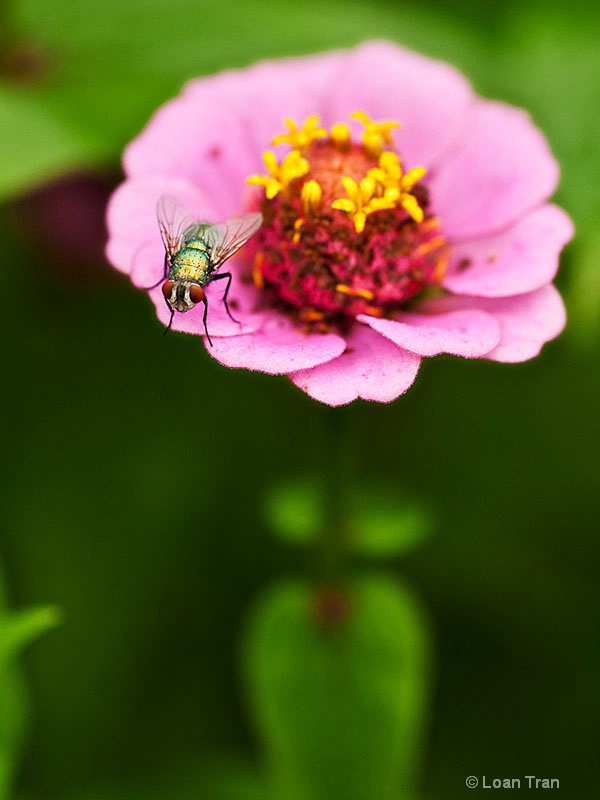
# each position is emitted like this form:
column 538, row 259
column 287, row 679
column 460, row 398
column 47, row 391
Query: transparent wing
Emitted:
column 177, row 226
column 226, row 238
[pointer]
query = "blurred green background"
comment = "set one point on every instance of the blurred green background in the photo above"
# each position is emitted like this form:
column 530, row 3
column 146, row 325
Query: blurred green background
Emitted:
column 135, row 468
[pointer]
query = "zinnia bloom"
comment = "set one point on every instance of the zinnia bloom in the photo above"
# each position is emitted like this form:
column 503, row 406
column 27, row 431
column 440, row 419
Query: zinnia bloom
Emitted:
column 404, row 217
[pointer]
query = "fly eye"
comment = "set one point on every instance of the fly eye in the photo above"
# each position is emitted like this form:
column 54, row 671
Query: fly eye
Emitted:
column 196, row 293
column 167, row 288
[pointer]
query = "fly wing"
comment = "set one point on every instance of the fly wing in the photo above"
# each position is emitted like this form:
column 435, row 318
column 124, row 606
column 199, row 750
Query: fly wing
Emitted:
column 177, row 226
column 226, row 238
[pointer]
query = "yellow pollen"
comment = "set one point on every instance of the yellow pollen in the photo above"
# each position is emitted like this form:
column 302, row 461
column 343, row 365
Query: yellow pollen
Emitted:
column 366, row 294
column 430, row 224
column 376, row 134
column 280, row 175
column 411, row 177
column 300, row 138
column 373, row 311
column 395, row 185
column 441, row 264
column 430, row 246
column 297, row 225
column 361, row 200
column 388, row 175
column 257, row 275
column 390, row 164
column 311, row 196
column 311, row 315
column 410, row 204
column 340, row 135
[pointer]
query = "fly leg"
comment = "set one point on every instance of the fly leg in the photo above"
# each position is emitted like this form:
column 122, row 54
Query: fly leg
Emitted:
column 205, row 301
column 229, row 277
column 172, row 310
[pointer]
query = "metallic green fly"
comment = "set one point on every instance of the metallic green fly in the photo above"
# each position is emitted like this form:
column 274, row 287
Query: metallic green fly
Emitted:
column 194, row 251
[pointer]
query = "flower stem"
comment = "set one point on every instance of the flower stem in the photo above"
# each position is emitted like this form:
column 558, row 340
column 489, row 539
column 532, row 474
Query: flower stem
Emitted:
column 7, row 27
column 338, row 473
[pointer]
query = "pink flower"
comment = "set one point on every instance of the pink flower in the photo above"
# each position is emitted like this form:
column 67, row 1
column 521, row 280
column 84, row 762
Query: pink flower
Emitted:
column 404, row 216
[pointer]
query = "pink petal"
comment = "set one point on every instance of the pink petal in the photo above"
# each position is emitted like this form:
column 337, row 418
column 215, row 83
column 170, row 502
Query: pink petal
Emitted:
column 523, row 258
column 469, row 332
column 260, row 95
column 276, row 348
column 371, row 368
column 215, row 132
column 430, row 99
column 527, row 321
column 503, row 169
column 196, row 140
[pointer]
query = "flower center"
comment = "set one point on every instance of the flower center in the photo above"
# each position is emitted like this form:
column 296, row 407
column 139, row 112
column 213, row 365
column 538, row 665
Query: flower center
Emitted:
column 346, row 231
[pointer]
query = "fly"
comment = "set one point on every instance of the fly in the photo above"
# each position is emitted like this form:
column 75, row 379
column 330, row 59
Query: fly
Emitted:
column 194, row 251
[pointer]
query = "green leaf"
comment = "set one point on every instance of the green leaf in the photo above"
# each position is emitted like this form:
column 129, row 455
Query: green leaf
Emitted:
column 294, row 511
column 380, row 520
column 16, row 630
column 339, row 708
column 583, row 299
column 555, row 53
column 19, row 628
column 386, row 522
column 214, row 778
column 36, row 144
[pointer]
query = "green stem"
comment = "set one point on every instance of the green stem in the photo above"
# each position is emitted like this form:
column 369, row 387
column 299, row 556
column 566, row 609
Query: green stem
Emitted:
column 338, row 477
column 7, row 28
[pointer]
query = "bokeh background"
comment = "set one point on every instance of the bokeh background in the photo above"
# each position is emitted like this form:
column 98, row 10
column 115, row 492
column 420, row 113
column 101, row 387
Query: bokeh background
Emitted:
column 135, row 468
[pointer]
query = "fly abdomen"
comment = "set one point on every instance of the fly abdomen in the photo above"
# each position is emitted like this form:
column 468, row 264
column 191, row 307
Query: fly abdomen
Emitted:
column 191, row 263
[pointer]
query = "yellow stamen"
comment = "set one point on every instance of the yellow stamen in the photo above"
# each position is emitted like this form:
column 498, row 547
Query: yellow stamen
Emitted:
column 413, row 176
column 430, row 224
column 410, row 204
column 311, row 315
column 361, row 202
column 389, row 175
column 392, row 195
column 280, row 175
column 257, row 274
column 430, row 246
column 389, row 171
column 311, row 197
column 441, row 265
column 300, row 138
column 373, row 311
column 376, row 134
column 390, row 164
column 366, row 294
column 340, row 135
column 297, row 225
